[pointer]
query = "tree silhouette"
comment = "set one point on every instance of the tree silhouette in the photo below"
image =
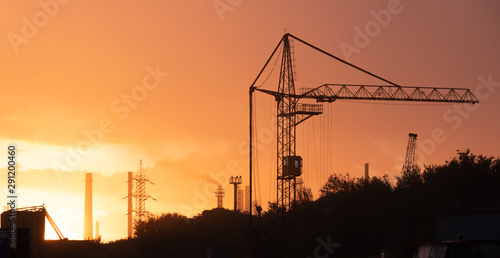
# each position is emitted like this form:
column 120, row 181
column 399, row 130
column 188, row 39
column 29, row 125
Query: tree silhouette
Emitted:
column 338, row 183
column 466, row 178
column 304, row 194
column 165, row 225
column 409, row 178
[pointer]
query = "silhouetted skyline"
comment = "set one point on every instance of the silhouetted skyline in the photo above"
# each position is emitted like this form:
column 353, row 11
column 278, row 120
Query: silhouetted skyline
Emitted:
column 95, row 87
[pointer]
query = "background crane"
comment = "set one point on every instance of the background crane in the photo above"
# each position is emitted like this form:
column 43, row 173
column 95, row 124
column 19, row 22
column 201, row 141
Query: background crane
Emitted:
column 410, row 160
column 290, row 113
column 410, row 172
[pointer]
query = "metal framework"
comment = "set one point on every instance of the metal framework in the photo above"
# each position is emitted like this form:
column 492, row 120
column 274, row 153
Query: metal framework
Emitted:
column 332, row 92
column 291, row 113
column 41, row 208
column 140, row 194
column 235, row 181
column 286, row 126
column 53, row 224
column 410, row 163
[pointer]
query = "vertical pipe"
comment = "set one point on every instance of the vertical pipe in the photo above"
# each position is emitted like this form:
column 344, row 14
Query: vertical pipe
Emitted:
column 235, row 197
column 294, row 191
column 279, row 162
column 129, row 200
column 247, row 201
column 87, row 223
column 251, row 152
column 241, row 195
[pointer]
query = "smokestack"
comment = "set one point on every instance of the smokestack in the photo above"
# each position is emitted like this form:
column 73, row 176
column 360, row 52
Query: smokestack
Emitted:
column 247, row 198
column 367, row 174
column 240, row 199
column 96, row 230
column 87, row 223
column 129, row 200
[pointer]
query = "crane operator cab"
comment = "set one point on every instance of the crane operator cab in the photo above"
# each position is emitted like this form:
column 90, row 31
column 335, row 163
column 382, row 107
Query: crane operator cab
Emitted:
column 292, row 166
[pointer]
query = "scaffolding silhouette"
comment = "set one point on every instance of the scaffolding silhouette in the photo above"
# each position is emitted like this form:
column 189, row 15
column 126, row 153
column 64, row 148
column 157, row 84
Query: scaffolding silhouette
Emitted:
column 140, row 194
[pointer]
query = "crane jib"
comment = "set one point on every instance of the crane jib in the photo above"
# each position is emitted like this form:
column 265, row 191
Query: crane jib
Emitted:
column 332, row 92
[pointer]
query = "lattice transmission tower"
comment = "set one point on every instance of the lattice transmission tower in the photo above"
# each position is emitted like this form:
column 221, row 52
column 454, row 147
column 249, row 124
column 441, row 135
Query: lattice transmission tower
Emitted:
column 140, row 194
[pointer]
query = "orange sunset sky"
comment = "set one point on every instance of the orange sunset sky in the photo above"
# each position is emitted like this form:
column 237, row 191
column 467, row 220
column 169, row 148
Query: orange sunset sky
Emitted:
column 95, row 86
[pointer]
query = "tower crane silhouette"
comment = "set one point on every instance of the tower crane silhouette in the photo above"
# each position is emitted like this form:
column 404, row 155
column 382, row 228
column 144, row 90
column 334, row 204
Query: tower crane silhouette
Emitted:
column 291, row 113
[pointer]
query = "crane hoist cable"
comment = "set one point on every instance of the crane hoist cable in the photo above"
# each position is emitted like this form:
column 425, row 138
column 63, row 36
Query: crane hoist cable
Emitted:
column 256, row 171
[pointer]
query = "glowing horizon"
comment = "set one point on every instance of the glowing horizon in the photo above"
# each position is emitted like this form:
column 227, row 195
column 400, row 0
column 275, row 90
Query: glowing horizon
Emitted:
column 147, row 81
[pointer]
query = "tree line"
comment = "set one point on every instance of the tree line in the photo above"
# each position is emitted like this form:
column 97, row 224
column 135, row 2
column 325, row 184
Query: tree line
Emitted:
column 363, row 215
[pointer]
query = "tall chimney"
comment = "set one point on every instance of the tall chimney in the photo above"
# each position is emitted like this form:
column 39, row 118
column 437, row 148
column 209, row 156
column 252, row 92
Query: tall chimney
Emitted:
column 367, row 174
column 96, row 230
column 87, row 223
column 129, row 199
column 241, row 196
column 247, row 198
